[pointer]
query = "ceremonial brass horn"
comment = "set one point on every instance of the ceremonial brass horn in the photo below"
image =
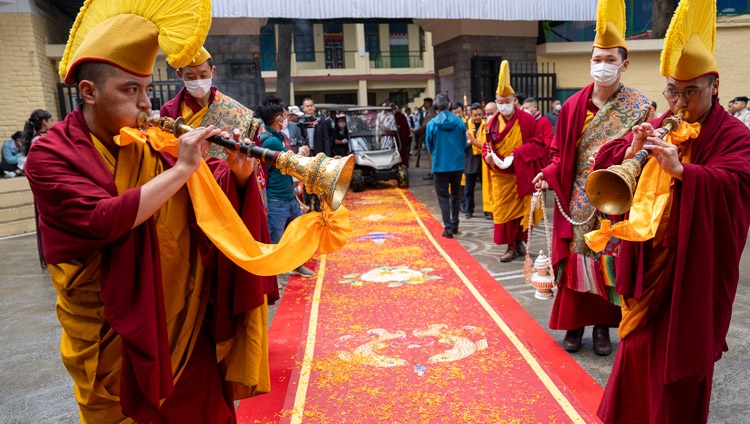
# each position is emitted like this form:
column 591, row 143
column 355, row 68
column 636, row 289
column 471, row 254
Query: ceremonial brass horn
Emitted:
column 327, row 177
column 611, row 190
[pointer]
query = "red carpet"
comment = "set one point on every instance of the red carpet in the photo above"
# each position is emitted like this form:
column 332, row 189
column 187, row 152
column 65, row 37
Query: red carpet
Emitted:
column 404, row 326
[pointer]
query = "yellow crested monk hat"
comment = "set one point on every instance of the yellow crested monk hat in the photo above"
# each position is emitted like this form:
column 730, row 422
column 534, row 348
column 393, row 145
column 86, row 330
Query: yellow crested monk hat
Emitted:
column 203, row 56
column 129, row 34
column 610, row 24
column 689, row 44
column 503, row 80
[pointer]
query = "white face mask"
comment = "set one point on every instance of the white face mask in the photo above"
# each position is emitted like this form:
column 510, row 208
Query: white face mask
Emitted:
column 285, row 124
column 604, row 73
column 505, row 109
column 557, row 108
column 342, row 125
column 198, row 88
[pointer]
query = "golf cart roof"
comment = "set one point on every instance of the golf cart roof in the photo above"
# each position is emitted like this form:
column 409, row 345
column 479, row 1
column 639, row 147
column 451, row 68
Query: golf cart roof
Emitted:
column 348, row 108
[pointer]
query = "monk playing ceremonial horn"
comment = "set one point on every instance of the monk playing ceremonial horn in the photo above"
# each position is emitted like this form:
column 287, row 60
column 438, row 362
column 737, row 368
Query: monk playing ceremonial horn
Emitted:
column 163, row 316
column 678, row 265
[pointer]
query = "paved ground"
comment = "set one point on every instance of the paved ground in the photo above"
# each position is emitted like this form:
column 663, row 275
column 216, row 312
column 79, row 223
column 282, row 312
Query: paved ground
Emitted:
column 35, row 388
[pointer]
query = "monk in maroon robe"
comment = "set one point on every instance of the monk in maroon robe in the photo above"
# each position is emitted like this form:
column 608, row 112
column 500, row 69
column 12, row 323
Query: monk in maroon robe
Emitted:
column 678, row 288
column 596, row 114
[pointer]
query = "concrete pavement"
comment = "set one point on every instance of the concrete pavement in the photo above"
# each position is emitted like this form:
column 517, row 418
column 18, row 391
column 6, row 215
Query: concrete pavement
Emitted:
column 35, row 387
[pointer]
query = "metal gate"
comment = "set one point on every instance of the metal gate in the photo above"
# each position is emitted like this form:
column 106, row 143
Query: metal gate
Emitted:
column 537, row 80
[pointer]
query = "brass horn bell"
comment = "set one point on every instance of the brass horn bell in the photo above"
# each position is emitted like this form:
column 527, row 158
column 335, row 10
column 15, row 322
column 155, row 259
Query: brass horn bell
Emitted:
column 327, row 177
column 611, row 190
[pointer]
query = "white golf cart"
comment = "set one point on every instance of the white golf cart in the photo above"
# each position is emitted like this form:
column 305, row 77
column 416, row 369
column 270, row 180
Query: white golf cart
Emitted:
column 374, row 142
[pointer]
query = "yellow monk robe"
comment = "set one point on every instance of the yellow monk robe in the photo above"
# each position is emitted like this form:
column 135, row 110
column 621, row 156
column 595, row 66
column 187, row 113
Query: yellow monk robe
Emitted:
column 481, row 135
column 194, row 119
column 486, row 188
column 90, row 349
column 506, row 206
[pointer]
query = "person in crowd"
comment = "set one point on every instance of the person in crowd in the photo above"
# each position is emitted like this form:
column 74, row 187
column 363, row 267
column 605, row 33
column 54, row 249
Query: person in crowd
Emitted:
column 739, row 110
column 282, row 202
column 404, row 134
column 475, row 136
column 428, row 112
column 39, row 122
column 386, row 128
column 587, row 121
column 490, row 109
column 458, row 110
column 316, row 128
column 678, row 264
column 158, row 326
column 11, row 152
column 515, row 152
column 532, row 107
column 553, row 114
column 445, row 138
column 341, row 136
column 293, row 131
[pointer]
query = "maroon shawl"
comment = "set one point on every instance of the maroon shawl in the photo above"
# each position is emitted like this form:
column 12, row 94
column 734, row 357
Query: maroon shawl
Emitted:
column 529, row 157
column 708, row 226
column 80, row 212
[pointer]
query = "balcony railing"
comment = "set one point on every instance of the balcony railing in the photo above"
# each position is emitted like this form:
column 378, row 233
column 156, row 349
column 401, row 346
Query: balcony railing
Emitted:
column 396, row 60
column 340, row 59
column 329, row 59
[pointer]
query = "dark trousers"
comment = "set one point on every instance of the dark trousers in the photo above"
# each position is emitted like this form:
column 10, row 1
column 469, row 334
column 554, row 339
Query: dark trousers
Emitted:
column 471, row 182
column 445, row 184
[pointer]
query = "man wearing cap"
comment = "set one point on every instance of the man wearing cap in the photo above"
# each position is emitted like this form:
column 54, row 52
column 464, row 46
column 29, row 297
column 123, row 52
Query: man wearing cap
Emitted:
column 678, row 264
column 293, row 130
column 739, row 108
column 600, row 112
column 514, row 151
column 157, row 325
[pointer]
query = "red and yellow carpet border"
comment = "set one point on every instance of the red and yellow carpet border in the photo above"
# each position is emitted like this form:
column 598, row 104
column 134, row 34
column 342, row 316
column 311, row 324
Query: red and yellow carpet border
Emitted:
column 577, row 393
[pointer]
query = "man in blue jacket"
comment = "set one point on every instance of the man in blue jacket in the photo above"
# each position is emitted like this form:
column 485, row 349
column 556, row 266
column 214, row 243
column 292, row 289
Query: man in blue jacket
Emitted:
column 445, row 139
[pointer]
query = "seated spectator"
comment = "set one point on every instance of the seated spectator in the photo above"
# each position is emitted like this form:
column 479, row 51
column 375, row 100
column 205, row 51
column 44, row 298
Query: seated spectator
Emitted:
column 282, row 201
column 12, row 156
column 36, row 126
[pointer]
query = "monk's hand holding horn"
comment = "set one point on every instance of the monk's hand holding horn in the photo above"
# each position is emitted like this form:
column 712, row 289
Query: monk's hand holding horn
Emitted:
column 190, row 146
column 241, row 165
column 666, row 155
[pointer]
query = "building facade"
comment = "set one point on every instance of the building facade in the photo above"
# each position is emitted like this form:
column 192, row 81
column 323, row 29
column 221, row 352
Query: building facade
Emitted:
column 364, row 63
column 393, row 51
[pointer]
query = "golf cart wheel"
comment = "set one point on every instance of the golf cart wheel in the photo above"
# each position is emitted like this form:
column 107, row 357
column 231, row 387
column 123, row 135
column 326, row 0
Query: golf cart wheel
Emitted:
column 358, row 181
column 403, row 177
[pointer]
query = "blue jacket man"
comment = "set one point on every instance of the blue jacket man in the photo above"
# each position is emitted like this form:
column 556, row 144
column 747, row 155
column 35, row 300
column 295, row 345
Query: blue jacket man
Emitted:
column 445, row 139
